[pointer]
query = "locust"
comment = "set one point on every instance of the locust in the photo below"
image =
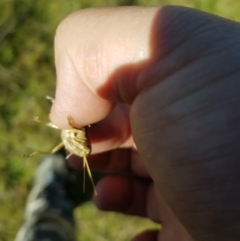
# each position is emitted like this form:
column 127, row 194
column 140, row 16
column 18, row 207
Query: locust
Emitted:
column 76, row 141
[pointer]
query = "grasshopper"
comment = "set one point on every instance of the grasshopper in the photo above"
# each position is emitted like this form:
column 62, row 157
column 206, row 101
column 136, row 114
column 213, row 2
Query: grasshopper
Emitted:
column 76, row 141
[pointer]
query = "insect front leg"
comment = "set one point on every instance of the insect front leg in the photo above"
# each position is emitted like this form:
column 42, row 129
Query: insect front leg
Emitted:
column 70, row 122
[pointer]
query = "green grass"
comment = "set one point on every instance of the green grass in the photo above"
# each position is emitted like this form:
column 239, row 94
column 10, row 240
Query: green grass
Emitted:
column 27, row 29
column 110, row 226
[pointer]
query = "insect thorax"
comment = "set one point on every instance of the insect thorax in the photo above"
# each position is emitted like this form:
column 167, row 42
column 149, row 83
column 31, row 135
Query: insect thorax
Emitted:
column 76, row 141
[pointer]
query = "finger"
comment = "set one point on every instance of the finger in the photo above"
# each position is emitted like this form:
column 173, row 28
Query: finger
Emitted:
column 139, row 197
column 120, row 161
column 113, row 132
column 89, row 46
column 149, row 235
column 123, row 194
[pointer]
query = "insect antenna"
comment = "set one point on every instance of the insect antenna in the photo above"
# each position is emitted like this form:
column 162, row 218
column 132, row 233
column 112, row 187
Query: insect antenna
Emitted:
column 50, row 98
column 50, row 124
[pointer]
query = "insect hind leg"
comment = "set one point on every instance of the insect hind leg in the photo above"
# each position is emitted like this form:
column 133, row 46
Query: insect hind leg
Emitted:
column 54, row 150
column 57, row 148
column 86, row 166
column 36, row 153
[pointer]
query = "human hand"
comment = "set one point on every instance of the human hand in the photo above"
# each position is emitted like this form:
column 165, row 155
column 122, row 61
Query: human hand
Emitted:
column 168, row 79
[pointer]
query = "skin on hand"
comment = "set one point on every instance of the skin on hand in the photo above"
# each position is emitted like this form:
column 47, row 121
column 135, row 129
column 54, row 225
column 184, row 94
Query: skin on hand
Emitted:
column 167, row 78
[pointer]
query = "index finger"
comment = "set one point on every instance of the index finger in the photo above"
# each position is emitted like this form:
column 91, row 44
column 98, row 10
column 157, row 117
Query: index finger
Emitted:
column 89, row 46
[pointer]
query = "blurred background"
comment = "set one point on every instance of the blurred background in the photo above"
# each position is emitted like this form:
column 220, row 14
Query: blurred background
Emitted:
column 27, row 75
